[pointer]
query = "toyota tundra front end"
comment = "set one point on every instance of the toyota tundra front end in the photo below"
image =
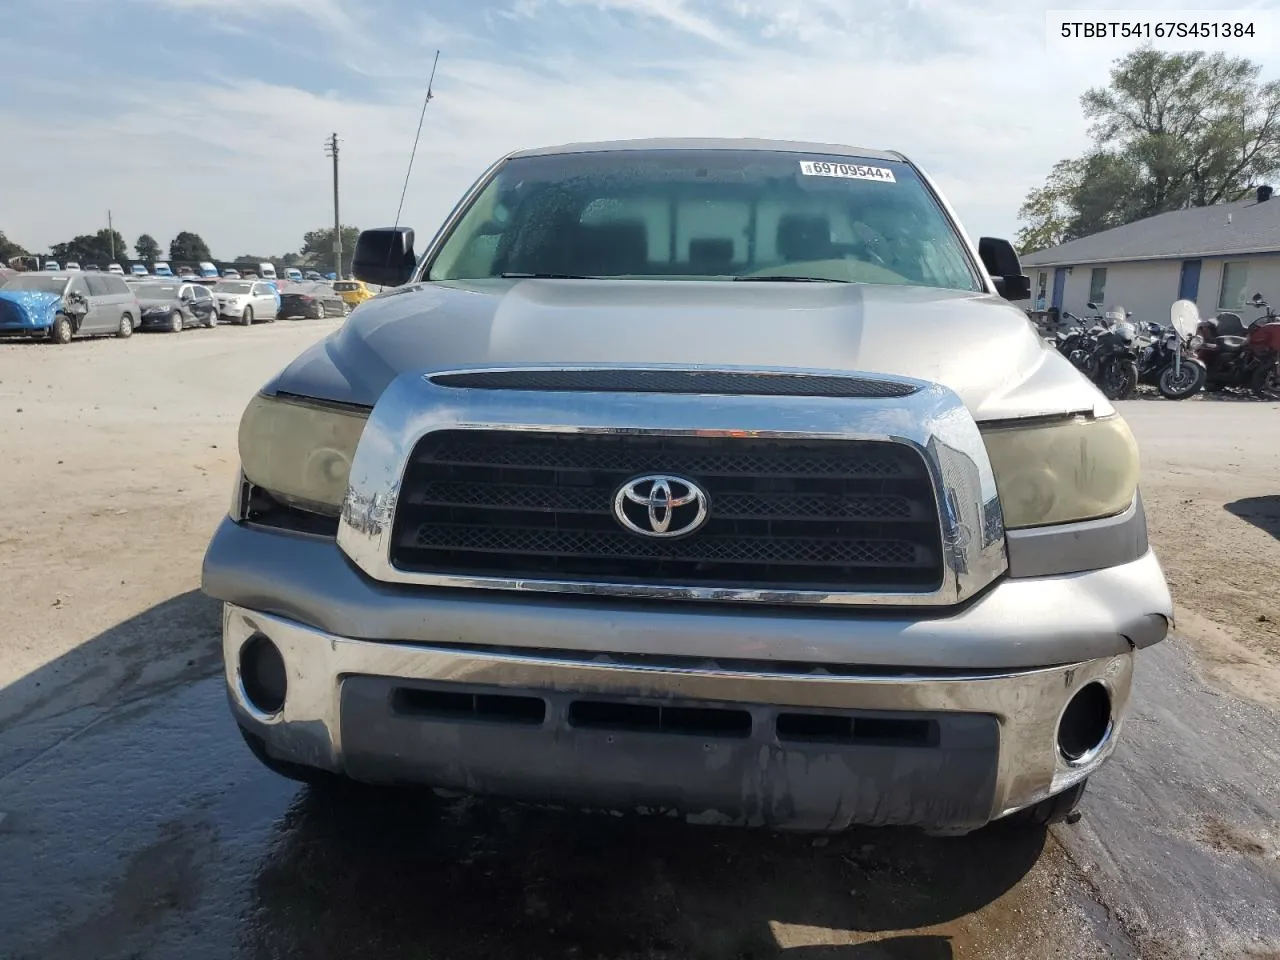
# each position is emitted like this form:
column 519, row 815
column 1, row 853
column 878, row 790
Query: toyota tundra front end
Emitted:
column 709, row 478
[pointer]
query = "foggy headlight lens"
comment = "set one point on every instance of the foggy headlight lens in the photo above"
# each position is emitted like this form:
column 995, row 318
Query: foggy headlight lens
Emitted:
column 300, row 452
column 1063, row 472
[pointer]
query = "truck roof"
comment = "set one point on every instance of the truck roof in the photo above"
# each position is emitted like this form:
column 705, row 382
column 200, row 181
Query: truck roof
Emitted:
column 712, row 143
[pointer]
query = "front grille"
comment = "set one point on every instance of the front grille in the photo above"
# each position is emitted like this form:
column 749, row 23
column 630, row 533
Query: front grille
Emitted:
column 819, row 515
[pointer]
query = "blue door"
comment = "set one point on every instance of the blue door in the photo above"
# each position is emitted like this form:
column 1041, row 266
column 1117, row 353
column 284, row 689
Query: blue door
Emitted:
column 1189, row 283
column 1059, row 281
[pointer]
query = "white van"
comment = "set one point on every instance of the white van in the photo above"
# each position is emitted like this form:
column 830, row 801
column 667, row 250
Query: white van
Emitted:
column 267, row 271
column 207, row 269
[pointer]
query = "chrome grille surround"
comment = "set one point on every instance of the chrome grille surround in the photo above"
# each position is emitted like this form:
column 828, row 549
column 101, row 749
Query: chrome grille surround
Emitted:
column 931, row 419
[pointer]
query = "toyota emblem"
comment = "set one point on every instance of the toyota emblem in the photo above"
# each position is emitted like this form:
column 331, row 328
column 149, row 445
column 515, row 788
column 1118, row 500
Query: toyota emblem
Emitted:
column 660, row 505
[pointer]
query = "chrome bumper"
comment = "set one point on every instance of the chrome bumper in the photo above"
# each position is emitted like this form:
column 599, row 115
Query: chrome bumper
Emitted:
column 996, row 752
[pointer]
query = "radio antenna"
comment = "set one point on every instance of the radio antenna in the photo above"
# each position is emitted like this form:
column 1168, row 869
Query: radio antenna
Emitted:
column 414, row 153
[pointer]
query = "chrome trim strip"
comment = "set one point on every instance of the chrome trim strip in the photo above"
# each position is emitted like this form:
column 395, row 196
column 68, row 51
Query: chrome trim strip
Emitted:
column 932, row 420
column 1028, row 703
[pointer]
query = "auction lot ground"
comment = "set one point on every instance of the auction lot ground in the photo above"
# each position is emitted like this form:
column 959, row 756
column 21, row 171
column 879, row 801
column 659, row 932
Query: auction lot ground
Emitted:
column 134, row 824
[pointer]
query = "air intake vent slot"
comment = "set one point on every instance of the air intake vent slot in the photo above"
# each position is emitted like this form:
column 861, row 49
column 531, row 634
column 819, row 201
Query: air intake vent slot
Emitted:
column 710, row 382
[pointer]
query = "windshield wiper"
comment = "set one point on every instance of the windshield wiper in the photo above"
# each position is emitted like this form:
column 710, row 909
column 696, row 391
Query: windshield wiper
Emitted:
column 785, row 279
column 545, row 276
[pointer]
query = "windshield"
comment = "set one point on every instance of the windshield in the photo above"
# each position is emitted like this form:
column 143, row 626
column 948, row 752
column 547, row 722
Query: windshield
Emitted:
column 343, row 286
column 707, row 214
column 41, row 284
column 234, row 287
column 155, row 291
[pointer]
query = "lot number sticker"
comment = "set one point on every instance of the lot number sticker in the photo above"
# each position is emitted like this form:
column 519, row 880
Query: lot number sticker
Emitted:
column 848, row 171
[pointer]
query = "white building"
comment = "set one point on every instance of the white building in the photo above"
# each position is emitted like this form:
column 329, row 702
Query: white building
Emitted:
column 1218, row 256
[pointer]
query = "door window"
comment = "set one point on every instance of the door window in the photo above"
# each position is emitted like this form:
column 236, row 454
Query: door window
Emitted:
column 98, row 286
column 77, row 285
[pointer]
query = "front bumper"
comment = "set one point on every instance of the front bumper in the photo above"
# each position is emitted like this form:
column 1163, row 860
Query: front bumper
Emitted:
column 569, row 700
column 152, row 320
column 230, row 309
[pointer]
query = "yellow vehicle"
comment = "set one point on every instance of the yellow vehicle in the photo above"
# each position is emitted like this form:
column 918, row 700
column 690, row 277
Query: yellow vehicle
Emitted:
column 354, row 292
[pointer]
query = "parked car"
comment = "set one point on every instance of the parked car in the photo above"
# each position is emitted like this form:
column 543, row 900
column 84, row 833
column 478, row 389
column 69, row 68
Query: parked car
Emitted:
column 729, row 521
column 186, row 272
column 116, row 269
column 139, row 270
column 354, row 292
column 293, row 274
column 173, row 306
column 245, row 301
column 267, row 271
column 230, row 274
column 312, row 275
column 161, row 269
column 313, row 300
column 92, row 268
column 62, row 306
column 72, row 267
column 51, row 265
column 208, row 270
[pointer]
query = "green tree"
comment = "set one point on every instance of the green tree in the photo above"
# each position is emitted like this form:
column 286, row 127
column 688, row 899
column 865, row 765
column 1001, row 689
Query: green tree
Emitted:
column 187, row 247
column 93, row 248
column 146, row 248
column 317, row 247
column 9, row 249
column 1170, row 131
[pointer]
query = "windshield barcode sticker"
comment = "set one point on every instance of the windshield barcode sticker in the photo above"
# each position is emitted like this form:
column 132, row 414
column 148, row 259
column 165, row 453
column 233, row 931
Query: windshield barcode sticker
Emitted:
column 849, row 171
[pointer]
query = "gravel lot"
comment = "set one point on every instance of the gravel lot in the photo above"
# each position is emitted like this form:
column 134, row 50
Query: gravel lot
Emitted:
column 134, row 824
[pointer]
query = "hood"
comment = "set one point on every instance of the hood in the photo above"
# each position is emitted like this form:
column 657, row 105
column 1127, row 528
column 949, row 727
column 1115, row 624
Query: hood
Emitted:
column 980, row 346
column 39, row 307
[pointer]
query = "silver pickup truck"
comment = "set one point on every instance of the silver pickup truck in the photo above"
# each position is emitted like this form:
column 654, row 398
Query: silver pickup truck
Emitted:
column 714, row 479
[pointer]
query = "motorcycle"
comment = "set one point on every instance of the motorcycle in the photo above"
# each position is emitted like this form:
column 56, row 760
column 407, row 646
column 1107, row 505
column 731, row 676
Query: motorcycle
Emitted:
column 1077, row 340
column 1104, row 349
column 1117, row 356
column 1236, row 356
column 1168, row 360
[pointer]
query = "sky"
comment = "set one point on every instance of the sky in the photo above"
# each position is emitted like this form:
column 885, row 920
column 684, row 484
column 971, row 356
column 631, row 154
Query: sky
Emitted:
column 211, row 115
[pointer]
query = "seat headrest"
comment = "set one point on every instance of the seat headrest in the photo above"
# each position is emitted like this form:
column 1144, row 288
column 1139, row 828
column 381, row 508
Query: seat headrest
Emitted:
column 617, row 247
column 803, row 237
column 713, row 254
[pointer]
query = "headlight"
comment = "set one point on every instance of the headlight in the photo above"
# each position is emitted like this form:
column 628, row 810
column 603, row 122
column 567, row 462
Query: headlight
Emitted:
column 1063, row 472
column 300, row 451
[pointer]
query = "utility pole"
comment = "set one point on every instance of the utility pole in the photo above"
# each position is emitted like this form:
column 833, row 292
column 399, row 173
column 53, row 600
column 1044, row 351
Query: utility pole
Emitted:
column 111, row 237
column 331, row 150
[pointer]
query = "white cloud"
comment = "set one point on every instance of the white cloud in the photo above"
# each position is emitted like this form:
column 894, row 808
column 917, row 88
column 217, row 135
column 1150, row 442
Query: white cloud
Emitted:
column 964, row 89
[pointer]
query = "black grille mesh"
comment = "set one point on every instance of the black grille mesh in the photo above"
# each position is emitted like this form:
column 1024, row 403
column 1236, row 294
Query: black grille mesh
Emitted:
column 787, row 515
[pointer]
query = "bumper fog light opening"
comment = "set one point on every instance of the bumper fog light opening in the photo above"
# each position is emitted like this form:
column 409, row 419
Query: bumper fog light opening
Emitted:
column 1086, row 724
column 263, row 680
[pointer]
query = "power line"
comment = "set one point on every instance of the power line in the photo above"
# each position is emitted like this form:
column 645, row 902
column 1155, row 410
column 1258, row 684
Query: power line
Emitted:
column 417, row 137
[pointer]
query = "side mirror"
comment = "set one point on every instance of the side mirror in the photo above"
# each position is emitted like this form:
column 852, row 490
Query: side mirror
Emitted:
column 1001, row 261
column 384, row 256
column 1257, row 300
column 1092, row 306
